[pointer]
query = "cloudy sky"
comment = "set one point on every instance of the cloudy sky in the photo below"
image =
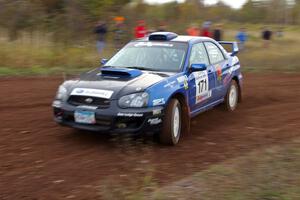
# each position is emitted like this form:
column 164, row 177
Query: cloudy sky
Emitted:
column 232, row 3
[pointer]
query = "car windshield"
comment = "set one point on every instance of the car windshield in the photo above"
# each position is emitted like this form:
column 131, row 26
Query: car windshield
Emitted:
column 153, row 56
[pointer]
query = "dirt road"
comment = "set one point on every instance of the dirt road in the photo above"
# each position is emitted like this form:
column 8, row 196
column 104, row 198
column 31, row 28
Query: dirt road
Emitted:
column 41, row 160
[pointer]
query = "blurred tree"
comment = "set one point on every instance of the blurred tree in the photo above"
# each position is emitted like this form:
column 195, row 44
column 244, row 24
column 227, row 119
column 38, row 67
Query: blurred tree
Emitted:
column 72, row 20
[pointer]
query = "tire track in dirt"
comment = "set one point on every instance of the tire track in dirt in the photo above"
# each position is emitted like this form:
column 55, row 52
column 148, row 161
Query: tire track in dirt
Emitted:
column 41, row 160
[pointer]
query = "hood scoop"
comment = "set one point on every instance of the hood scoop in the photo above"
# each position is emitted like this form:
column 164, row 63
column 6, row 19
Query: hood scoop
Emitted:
column 120, row 72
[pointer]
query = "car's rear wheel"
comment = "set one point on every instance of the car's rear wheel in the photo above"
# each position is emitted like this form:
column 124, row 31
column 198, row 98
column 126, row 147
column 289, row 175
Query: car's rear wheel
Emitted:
column 232, row 96
column 171, row 129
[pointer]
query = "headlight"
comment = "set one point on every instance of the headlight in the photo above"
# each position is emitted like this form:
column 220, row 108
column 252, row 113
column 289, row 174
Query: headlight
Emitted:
column 136, row 100
column 61, row 93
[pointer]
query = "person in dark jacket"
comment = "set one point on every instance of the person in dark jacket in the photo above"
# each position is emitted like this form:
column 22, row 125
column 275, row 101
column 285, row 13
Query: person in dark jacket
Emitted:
column 266, row 36
column 217, row 34
column 101, row 31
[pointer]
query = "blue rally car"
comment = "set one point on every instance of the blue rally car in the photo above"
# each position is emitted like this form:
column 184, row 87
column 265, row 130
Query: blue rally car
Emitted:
column 155, row 84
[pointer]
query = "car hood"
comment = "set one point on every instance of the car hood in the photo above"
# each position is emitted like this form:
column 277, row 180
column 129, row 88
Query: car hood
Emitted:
column 118, row 85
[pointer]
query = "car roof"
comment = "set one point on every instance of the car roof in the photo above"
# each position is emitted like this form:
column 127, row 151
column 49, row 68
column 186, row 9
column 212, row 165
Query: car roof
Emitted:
column 177, row 38
column 187, row 38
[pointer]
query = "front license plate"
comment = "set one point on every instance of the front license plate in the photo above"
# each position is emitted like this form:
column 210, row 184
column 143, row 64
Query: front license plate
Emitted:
column 85, row 117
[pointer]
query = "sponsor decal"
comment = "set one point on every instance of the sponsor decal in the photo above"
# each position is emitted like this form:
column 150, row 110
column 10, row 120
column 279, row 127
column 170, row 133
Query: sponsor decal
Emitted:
column 181, row 79
column 202, row 86
column 228, row 76
column 219, row 73
column 157, row 112
column 227, row 79
column 186, row 84
column 170, row 84
column 154, row 121
column 106, row 94
column 130, row 114
column 184, row 80
column 157, row 102
column 79, row 91
column 203, row 97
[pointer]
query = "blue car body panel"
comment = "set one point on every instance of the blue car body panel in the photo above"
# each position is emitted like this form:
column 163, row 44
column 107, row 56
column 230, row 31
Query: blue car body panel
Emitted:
column 164, row 90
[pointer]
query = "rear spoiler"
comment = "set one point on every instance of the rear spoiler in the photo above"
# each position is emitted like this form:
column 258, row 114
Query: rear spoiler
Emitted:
column 234, row 47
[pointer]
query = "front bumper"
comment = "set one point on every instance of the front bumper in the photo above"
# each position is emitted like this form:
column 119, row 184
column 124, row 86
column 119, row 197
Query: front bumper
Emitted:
column 112, row 119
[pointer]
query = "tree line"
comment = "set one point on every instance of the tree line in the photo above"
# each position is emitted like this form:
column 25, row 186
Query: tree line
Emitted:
column 75, row 19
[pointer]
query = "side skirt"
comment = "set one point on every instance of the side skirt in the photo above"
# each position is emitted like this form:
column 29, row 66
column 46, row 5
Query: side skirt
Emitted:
column 206, row 107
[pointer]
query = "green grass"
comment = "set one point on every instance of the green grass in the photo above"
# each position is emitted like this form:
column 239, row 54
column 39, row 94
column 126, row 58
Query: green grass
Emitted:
column 39, row 55
column 270, row 174
column 42, row 57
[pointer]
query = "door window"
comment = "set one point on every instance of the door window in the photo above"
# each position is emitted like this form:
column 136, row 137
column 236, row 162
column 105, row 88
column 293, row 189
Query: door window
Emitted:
column 198, row 55
column 214, row 53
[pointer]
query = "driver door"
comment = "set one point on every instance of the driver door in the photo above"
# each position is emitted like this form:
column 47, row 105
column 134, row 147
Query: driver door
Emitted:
column 201, row 83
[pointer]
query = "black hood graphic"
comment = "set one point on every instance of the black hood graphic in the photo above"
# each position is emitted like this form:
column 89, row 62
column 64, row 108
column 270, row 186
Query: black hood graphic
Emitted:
column 120, row 72
column 120, row 82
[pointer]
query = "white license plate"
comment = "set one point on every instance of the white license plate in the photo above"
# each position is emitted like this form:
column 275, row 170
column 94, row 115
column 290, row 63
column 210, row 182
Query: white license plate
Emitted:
column 85, row 117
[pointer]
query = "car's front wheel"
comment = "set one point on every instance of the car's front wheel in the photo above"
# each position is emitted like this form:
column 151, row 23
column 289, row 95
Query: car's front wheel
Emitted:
column 171, row 130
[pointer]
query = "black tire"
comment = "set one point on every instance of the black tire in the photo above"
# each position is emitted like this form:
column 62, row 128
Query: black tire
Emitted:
column 168, row 135
column 229, row 104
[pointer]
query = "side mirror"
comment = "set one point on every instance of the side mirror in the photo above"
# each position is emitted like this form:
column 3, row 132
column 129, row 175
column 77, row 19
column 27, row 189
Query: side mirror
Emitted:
column 103, row 61
column 198, row 67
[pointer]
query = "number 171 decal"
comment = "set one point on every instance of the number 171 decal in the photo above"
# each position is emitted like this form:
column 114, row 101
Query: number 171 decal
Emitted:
column 202, row 86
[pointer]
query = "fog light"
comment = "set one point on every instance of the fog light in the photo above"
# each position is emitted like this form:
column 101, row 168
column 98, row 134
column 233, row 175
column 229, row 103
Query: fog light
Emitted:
column 58, row 113
column 121, row 125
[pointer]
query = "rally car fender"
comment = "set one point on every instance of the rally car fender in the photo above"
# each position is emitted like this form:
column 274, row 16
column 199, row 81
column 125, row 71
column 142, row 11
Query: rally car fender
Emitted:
column 233, row 72
column 173, row 87
column 162, row 92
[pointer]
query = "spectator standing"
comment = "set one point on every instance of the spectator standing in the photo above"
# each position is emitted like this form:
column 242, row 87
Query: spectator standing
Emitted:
column 266, row 36
column 242, row 37
column 140, row 30
column 101, row 31
column 217, row 34
column 279, row 32
column 162, row 27
column 119, row 31
column 206, row 29
column 193, row 30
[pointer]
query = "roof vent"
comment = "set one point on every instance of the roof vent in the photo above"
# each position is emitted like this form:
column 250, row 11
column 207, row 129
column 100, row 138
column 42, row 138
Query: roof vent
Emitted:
column 120, row 72
column 162, row 36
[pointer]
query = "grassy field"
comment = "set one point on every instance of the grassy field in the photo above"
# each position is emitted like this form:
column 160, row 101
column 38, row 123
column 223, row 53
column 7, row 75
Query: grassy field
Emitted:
column 268, row 174
column 271, row 173
column 39, row 56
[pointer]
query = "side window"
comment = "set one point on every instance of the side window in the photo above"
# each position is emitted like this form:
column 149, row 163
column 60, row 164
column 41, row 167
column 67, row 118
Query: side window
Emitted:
column 214, row 53
column 198, row 54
